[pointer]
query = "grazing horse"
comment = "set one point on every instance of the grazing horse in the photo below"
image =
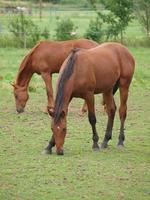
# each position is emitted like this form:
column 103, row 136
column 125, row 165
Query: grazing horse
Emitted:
column 44, row 59
column 84, row 73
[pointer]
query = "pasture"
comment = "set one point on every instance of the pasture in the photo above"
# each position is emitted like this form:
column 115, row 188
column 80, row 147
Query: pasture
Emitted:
column 81, row 173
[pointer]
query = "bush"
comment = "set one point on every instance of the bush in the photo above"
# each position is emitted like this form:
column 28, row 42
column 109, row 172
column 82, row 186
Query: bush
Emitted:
column 137, row 42
column 45, row 33
column 94, row 30
column 26, row 32
column 7, row 40
column 65, row 30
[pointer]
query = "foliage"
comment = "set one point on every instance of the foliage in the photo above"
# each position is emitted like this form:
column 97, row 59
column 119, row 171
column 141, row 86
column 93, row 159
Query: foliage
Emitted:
column 65, row 30
column 45, row 33
column 117, row 17
column 55, row 1
column 134, row 34
column 94, row 30
column 142, row 10
column 26, row 31
column 48, row 1
column 6, row 40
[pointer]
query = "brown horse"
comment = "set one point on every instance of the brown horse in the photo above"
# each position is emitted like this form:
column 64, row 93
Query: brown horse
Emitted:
column 84, row 73
column 45, row 59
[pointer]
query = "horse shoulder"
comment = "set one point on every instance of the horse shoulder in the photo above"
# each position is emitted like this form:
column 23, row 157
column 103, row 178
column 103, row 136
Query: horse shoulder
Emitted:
column 85, row 75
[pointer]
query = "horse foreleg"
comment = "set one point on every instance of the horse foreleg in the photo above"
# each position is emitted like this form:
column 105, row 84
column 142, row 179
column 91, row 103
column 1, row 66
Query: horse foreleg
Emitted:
column 92, row 120
column 48, row 149
column 111, row 109
column 49, row 89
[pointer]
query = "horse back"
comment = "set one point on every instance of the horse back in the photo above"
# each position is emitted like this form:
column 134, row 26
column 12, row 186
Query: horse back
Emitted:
column 114, row 57
column 99, row 68
column 50, row 55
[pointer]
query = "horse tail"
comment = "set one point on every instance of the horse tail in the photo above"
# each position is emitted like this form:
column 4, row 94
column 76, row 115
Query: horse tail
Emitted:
column 116, row 86
column 66, row 74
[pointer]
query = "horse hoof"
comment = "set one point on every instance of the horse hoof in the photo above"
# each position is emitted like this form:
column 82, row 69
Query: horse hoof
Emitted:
column 60, row 152
column 95, row 147
column 46, row 152
column 81, row 114
column 120, row 146
column 104, row 145
column 45, row 111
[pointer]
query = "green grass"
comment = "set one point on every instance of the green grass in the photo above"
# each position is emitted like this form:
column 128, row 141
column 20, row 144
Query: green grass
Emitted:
column 110, row 174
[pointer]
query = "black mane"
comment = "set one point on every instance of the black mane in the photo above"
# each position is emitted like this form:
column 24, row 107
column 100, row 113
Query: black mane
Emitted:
column 60, row 90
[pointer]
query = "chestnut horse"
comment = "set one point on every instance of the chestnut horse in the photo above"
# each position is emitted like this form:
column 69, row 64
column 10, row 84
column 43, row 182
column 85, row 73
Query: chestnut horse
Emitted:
column 45, row 59
column 88, row 72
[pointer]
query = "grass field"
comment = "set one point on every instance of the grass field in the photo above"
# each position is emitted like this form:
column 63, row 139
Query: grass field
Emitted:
column 112, row 174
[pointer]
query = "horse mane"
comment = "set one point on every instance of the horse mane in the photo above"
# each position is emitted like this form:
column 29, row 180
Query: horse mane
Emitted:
column 25, row 61
column 67, row 72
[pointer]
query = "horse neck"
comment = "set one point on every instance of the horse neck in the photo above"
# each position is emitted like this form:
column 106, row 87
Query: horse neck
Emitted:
column 24, row 78
column 64, row 86
column 67, row 96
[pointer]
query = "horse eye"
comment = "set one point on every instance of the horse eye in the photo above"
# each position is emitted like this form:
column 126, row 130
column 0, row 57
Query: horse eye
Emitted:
column 64, row 129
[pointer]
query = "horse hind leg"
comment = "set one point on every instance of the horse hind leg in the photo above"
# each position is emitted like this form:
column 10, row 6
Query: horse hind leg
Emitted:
column 115, row 88
column 92, row 120
column 83, row 109
column 111, row 110
column 124, row 87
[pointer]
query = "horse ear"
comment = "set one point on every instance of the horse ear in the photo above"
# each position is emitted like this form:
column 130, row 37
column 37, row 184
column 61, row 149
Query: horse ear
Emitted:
column 50, row 111
column 62, row 114
column 13, row 84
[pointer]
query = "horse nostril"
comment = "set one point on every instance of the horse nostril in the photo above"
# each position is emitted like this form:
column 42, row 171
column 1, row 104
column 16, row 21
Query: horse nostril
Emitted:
column 20, row 110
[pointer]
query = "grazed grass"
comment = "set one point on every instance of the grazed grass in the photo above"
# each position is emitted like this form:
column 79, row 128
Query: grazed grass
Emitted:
column 81, row 173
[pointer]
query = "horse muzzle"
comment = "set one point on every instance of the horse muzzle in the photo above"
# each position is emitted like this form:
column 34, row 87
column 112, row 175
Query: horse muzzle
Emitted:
column 20, row 110
column 60, row 152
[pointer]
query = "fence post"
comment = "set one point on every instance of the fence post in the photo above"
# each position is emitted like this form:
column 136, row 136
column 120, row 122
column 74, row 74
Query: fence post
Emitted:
column 25, row 41
column 40, row 9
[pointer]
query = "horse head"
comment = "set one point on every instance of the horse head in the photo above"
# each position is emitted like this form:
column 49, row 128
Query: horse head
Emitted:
column 59, row 129
column 21, row 97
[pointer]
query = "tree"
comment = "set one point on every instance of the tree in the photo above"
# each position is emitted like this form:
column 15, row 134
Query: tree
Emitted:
column 94, row 31
column 25, row 31
column 117, row 17
column 65, row 29
column 142, row 10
